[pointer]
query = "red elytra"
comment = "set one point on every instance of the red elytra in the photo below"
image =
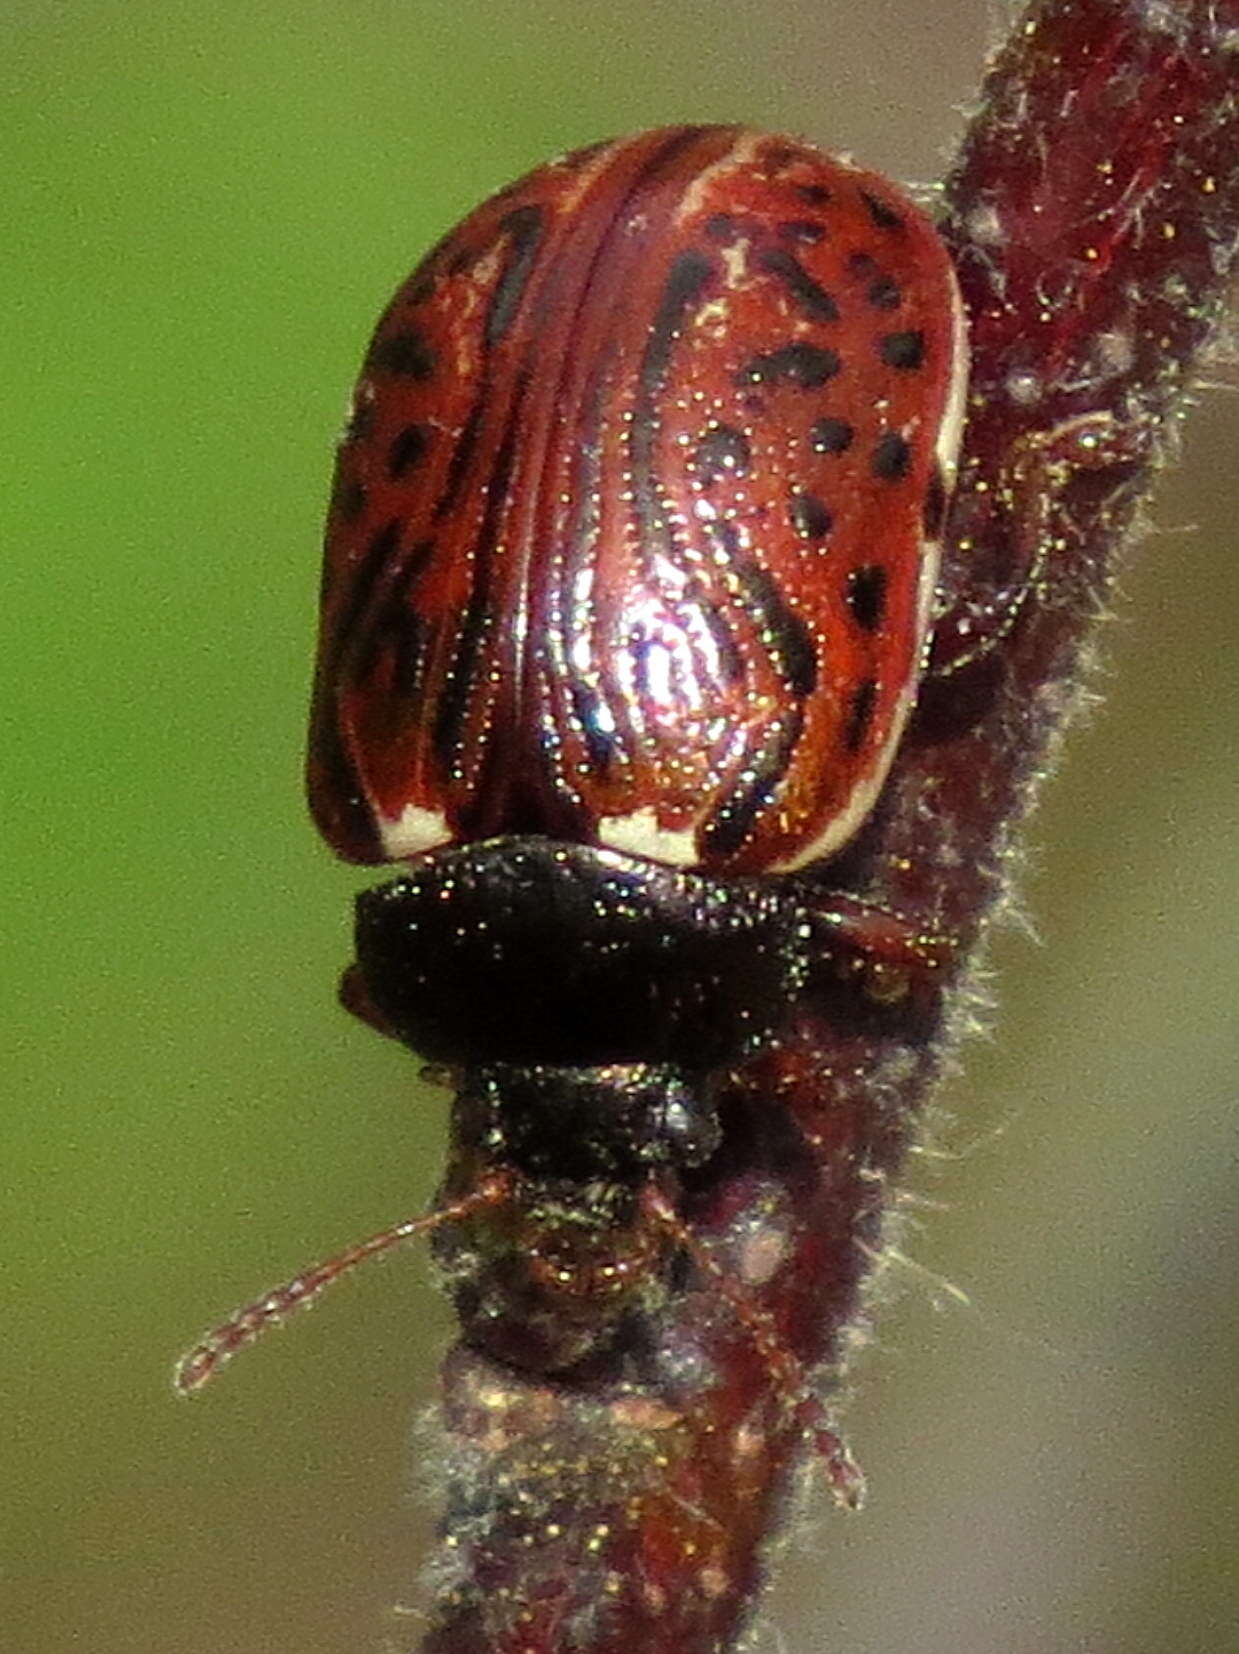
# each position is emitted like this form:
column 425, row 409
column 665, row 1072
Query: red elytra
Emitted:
column 632, row 536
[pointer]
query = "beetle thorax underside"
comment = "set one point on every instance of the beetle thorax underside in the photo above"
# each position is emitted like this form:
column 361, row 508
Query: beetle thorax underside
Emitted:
column 628, row 545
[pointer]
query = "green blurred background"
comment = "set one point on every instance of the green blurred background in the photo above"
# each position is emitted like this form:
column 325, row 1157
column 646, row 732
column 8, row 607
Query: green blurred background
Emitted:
column 205, row 207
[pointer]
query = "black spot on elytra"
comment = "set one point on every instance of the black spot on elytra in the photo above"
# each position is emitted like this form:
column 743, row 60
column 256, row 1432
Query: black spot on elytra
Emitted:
column 831, row 436
column 812, row 298
column 866, row 596
column 721, row 227
column 809, row 517
column 405, row 353
column 722, row 451
column 807, row 366
column 804, row 230
column 884, row 293
column 860, row 714
column 891, row 457
column 884, row 216
column 817, row 195
column 903, row 350
column 406, row 450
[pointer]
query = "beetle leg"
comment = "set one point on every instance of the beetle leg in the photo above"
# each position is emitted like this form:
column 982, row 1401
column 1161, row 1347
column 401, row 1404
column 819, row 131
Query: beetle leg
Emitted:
column 976, row 617
column 889, row 952
column 786, row 1370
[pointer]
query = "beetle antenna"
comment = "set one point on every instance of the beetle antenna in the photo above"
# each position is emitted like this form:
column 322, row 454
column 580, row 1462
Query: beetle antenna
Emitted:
column 222, row 1343
column 786, row 1370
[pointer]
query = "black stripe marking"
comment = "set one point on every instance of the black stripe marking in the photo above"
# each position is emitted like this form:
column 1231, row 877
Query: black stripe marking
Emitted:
column 408, row 632
column 884, row 217
column 405, row 353
column 684, row 286
column 782, row 631
column 453, row 707
column 734, row 820
column 524, row 228
column 685, row 281
column 396, row 626
column 831, row 436
column 860, row 714
column 809, row 516
column 812, row 298
column 808, row 366
column 462, row 453
column 866, row 596
column 903, row 350
column 407, row 449
column 730, row 661
column 375, row 563
column 892, row 457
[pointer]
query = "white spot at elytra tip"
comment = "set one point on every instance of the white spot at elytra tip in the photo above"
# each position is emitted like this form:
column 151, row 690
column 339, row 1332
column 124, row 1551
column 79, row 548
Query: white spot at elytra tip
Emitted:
column 413, row 831
column 640, row 835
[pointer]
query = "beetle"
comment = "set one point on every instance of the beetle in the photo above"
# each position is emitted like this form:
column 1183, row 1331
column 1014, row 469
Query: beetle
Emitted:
column 627, row 590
